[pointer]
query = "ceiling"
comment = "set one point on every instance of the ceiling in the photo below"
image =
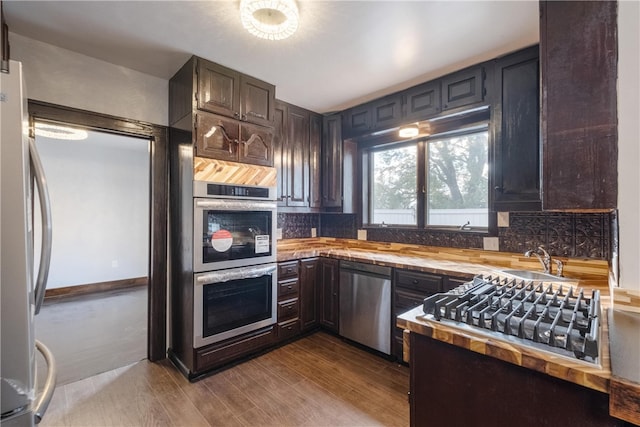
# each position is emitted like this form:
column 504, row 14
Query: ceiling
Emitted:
column 344, row 53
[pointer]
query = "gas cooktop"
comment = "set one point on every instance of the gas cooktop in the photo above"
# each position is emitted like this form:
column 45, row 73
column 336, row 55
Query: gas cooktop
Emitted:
column 554, row 317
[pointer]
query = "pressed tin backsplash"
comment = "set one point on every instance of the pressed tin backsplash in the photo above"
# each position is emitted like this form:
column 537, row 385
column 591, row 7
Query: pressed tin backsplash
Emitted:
column 578, row 235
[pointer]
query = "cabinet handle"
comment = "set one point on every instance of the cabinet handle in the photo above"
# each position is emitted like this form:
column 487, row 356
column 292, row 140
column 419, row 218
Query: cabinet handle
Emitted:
column 289, row 328
column 415, row 281
column 289, row 270
column 498, row 188
column 289, row 287
column 289, row 307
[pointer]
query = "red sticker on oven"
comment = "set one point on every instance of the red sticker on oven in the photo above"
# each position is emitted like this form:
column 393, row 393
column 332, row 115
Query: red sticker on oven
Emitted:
column 221, row 240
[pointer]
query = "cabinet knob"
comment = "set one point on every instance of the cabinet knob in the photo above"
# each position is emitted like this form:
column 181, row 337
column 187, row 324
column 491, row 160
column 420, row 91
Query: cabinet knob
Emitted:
column 289, row 287
column 236, row 115
column 498, row 188
column 289, row 270
column 289, row 307
column 289, row 327
column 415, row 281
column 244, row 117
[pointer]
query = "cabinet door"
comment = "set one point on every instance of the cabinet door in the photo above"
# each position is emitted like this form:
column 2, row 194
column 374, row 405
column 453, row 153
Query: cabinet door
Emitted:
column 332, row 161
column 280, row 158
column 422, row 101
column 216, row 137
column 463, row 88
column 218, row 89
column 579, row 105
column 387, row 112
column 315, row 177
column 257, row 101
column 357, row 120
column 308, row 293
column 298, row 147
column 256, row 146
column 517, row 132
column 329, row 297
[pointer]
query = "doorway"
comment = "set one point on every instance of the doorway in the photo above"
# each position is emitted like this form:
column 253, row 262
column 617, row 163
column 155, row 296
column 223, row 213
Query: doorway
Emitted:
column 94, row 315
column 158, row 190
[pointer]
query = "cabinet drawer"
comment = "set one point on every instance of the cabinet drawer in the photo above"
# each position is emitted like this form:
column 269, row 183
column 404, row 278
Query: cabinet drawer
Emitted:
column 288, row 329
column 288, row 309
column 219, row 354
column 288, row 287
column 422, row 282
column 287, row 270
column 407, row 300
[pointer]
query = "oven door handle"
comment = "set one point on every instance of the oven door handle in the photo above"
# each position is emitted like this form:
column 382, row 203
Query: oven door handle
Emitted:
column 235, row 274
column 231, row 204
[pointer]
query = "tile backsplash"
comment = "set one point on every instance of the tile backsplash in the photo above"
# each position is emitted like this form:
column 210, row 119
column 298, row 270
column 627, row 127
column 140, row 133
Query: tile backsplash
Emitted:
column 578, row 235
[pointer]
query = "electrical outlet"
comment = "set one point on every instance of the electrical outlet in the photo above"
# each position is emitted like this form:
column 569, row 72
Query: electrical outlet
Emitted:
column 491, row 244
column 278, row 233
column 503, row 219
column 362, row 234
column 314, row 232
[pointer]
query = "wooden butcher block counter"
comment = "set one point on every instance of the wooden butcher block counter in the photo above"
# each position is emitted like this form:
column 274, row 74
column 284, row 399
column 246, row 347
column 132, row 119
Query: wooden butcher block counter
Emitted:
column 589, row 274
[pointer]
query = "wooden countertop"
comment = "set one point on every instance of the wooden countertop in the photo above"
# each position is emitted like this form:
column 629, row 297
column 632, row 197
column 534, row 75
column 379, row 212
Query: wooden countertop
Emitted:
column 589, row 274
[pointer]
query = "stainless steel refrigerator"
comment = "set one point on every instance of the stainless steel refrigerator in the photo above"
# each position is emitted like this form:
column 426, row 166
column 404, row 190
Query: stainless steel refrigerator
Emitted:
column 21, row 295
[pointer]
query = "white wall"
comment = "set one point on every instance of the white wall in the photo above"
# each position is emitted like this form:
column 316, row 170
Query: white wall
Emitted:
column 63, row 77
column 629, row 142
column 99, row 191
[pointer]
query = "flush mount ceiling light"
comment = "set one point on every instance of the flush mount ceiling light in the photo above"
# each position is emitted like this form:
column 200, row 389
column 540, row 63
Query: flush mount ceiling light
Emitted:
column 49, row 130
column 408, row 131
column 269, row 19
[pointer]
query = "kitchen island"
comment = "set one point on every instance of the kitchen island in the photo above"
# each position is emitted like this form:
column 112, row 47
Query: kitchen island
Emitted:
column 562, row 378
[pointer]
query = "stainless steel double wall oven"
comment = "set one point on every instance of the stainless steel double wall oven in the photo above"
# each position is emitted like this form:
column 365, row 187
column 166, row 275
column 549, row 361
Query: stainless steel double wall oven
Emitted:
column 234, row 260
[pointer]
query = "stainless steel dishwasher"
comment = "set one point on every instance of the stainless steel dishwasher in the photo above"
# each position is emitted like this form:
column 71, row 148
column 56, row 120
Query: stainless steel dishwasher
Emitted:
column 365, row 304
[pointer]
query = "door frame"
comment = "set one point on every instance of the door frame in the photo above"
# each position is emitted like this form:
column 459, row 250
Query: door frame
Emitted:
column 159, row 178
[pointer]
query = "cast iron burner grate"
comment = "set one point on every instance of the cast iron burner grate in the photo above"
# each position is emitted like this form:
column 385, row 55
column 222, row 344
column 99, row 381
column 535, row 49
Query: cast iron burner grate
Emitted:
column 553, row 317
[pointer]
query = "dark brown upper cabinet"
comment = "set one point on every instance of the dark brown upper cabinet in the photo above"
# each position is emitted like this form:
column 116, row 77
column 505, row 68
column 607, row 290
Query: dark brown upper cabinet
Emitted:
column 516, row 132
column 229, row 115
column 332, row 161
column 221, row 138
column 357, row 121
column 422, row 101
column 463, row 88
column 387, row 112
column 297, row 139
column 579, row 105
column 224, row 91
column 315, row 160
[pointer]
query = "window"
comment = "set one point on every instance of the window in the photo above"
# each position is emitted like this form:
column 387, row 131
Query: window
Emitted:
column 438, row 180
column 457, row 180
column 393, row 186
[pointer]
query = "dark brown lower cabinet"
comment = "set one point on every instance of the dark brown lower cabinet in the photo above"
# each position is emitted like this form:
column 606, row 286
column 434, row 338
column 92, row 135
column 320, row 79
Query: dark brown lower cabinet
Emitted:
column 451, row 387
column 309, row 318
column 329, row 298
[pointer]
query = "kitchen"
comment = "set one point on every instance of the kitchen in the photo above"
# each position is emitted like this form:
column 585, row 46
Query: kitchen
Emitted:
column 43, row 58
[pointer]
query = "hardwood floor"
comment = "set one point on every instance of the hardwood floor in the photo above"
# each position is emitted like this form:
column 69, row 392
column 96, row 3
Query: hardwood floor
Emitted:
column 93, row 333
column 316, row 381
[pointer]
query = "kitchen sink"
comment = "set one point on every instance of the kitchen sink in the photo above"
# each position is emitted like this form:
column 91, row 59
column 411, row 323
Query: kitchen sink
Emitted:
column 536, row 275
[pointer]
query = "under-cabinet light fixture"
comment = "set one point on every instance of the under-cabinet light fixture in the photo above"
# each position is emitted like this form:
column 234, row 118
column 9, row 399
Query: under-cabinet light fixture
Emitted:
column 408, row 131
column 49, row 130
column 269, row 19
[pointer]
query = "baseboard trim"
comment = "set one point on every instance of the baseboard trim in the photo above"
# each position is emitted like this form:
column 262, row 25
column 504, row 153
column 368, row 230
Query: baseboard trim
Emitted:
column 73, row 291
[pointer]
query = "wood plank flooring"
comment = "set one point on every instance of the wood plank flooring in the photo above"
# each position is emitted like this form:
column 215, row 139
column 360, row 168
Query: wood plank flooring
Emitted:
column 318, row 380
column 93, row 333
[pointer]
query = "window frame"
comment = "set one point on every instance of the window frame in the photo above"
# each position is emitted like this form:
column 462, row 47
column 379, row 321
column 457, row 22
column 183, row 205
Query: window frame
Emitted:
column 457, row 124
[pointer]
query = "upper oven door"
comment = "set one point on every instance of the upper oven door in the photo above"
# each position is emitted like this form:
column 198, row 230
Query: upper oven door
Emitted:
column 233, row 233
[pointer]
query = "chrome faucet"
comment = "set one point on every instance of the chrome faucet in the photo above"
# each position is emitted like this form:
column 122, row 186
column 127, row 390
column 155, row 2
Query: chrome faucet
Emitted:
column 545, row 258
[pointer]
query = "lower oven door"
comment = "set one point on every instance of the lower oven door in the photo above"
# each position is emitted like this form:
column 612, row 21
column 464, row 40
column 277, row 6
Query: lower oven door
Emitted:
column 232, row 302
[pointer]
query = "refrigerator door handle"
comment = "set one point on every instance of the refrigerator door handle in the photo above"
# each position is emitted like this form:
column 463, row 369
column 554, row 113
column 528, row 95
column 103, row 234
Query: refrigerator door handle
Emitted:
column 45, row 211
column 50, row 383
